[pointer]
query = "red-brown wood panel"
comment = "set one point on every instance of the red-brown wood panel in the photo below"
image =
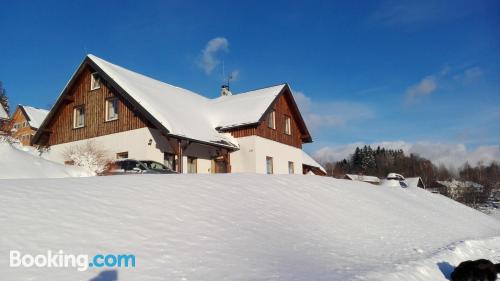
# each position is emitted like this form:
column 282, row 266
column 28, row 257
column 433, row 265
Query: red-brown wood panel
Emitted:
column 61, row 126
column 25, row 132
column 282, row 109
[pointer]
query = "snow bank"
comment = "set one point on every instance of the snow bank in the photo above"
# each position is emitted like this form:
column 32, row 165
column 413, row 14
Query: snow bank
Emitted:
column 17, row 163
column 440, row 266
column 232, row 226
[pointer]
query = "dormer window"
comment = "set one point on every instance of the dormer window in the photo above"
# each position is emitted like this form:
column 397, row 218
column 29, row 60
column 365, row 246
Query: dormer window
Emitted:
column 271, row 120
column 95, row 81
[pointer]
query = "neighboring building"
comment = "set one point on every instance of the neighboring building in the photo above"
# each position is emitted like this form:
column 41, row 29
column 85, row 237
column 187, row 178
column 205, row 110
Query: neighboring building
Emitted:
column 415, row 182
column 368, row 179
column 4, row 119
column 456, row 184
column 133, row 116
column 25, row 122
column 457, row 189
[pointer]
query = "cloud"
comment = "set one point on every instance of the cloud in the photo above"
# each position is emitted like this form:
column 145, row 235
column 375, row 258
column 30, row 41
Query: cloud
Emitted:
column 208, row 60
column 430, row 83
column 331, row 114
column 469, row 75
column 425, row 87
column 448, row 154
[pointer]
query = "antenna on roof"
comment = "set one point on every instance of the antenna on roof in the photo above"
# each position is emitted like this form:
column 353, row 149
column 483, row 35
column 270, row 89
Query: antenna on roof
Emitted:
column 225, row 86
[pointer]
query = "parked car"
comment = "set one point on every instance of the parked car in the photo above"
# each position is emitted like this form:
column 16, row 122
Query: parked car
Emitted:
column 132, row 166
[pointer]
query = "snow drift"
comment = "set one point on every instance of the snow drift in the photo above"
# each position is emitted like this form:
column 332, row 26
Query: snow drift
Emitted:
column 234, row 227
column 16, row 163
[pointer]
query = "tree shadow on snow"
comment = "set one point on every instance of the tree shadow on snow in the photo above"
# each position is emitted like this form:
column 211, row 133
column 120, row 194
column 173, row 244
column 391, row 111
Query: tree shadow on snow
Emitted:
column 106, row 275
column 446, row 269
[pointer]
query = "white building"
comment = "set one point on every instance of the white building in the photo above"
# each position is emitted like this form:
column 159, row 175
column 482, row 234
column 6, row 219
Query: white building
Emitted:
column 130, row 115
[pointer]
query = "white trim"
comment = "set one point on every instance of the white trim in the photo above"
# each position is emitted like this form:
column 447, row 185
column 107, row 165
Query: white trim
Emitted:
column 95, row 81
column 75, row 110
column 272, row 117
column 288, row 125
column 109, row 101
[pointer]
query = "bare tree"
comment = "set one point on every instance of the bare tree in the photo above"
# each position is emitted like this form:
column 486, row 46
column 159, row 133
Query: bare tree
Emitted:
column 89, row 156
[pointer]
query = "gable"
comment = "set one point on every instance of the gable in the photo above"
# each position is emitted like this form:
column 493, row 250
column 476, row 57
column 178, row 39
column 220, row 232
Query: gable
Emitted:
column 34, row 115
column 283, row 106
column 59, row 129
column 19, row 116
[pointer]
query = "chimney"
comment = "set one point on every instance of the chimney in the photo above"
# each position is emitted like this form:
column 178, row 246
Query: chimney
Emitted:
column 224, row 91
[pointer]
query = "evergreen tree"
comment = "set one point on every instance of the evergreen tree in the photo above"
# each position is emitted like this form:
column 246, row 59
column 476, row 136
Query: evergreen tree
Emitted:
column 4, row 101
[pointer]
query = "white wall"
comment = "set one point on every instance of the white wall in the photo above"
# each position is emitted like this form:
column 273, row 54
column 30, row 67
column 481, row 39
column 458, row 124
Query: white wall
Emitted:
column 253, row 152
column 136, row 143
column 251, row 158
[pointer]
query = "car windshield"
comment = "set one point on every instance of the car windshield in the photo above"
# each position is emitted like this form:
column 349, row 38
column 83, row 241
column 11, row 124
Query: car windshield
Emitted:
column 154, row 165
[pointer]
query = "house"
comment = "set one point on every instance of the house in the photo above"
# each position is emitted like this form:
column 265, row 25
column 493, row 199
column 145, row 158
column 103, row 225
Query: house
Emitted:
column 458, row 190
column 454, row 184
column 134, row 116
column 368, row 179
column 415, row 182
column 25, row 122
column 4, row 119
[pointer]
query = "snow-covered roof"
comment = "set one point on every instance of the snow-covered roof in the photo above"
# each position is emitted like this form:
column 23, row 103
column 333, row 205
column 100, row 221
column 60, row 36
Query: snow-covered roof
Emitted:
column 35, row 115
column 182, row 112
column 244, row 108
column 3, row 113
column 413, row 182
column 309, row 161
column 363, row 178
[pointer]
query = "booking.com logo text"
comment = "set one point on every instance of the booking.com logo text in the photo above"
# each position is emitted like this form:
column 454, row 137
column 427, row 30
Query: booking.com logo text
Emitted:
column 80, row 262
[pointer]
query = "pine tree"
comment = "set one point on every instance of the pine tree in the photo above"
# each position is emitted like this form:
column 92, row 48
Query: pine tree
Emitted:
column 356, row 160
column 4, row 101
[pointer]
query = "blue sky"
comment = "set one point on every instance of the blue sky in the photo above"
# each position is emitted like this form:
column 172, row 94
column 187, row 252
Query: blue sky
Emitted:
column 411, row 74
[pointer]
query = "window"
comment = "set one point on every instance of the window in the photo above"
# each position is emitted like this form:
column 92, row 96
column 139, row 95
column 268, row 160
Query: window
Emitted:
column 122, row 155
column 191, row 165
column 288, row 123
column 291, row 170
column 95, row 81
column 79, row 117
column 111, row 109
column 169, row 160
column 269, row 165
column 271, row 120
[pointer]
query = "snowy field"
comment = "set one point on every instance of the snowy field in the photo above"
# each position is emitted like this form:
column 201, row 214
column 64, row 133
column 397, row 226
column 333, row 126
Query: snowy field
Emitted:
column 22, row 162
column 241, row 227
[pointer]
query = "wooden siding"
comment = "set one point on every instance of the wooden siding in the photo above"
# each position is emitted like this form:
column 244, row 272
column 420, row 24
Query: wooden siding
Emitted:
column 24, row 134
column 61, row 126
column 282, row 109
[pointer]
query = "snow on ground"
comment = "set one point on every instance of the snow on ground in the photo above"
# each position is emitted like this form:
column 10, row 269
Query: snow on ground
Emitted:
column 240, row 227
column 16, row 162
column 495, row 213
